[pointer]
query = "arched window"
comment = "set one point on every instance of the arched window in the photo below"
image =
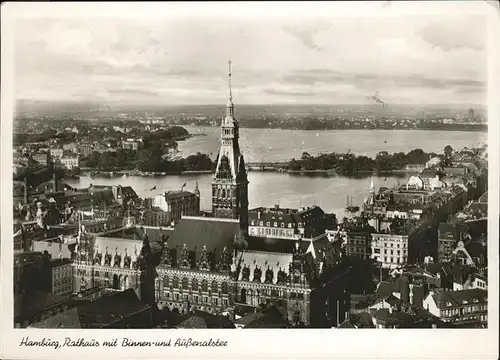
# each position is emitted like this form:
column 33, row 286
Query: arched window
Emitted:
column 185, row 283
column 224, row 288
column 194, row 284
column 215, row 287
column 126, row 282
column 158, row 282
column 116, row 282
column 204, row 285
column 223, row 193
column 175, row 282
column 166, row 281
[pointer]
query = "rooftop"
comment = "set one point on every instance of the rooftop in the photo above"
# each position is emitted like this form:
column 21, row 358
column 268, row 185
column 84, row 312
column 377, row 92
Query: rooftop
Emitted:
column 203, row 320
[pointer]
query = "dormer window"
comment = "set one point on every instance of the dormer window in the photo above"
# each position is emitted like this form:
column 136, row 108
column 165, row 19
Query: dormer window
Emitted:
column 282, row 225
column 275, row 224
column 448, row 304
column 465, row 302
column 268, row 223
column 261, row 223
column 289, row 225
column 476, row 300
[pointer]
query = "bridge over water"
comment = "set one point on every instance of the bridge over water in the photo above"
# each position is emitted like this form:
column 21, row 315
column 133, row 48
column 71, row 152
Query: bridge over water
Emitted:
column 267, row 166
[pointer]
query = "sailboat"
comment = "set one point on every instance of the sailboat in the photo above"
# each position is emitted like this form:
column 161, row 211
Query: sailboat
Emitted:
column 317, row 134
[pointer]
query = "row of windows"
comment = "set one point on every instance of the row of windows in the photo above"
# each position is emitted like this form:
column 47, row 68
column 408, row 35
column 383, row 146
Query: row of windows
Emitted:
column 195, row 285
column 357, row 242
column 355, row 249
column 481, row 284
column 275, row 224
column 271, row 232
column 63, row 281
column 62, row 274
column 196, row 299
column 63, row 290
column 394, row 260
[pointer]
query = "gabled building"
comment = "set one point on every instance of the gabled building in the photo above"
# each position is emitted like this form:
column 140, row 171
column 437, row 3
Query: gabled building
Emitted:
column 178, row 203
column 284, row 223
column 458, row 306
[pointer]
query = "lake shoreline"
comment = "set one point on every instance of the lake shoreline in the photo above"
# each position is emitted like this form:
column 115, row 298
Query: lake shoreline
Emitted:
column 305, row 173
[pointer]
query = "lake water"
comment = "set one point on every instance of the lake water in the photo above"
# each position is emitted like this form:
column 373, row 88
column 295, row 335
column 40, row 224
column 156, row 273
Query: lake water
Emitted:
column 268, row 188
column 276, row 144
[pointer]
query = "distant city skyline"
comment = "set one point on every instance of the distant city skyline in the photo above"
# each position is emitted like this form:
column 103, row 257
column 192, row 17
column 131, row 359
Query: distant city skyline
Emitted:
column 316, row 61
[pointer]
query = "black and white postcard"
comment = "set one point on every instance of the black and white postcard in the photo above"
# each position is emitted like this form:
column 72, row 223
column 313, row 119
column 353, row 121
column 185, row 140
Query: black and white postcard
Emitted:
column 250, row 180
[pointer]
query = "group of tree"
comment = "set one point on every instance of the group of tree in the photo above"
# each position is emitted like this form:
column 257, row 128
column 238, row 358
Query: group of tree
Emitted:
column 30, row 138
column 347, row 164
column 149, row 159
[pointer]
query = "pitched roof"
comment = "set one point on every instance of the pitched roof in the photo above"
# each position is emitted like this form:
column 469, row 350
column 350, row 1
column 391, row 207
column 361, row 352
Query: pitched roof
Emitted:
column 347, row 325
column 388, row 318
column 109, row 309
column 263, row 261
column 170, row 195
column 363, row 320
column 483, row 198
column 204, row 320
column 35, row 301
column 194, row 232
column 454, row 299
column 385, row 288
column 264, row 319
column 68, row 319
column 284, row 246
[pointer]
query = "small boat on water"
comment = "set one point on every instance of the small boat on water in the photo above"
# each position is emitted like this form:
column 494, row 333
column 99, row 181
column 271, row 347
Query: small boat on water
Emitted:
column 124, row 176
column 317, row 134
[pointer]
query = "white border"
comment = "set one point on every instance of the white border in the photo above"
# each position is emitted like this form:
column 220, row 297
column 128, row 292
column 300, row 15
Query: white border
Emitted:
column 268, row 344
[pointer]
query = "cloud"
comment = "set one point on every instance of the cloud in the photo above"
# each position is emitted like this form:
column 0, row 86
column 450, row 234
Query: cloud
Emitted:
column 289, row 93
column 275, row 60
column 304, row 35
column 448, row 34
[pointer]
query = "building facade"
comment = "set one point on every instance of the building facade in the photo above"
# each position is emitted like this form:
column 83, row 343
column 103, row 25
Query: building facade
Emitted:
column 72, row 147
column 284, row 223
column 178, row 203
column 56, row 153
column 70, row 162
column 458, row 306
column 117, row 259
column 85, row 150
column 61, row 275
column 42, row 158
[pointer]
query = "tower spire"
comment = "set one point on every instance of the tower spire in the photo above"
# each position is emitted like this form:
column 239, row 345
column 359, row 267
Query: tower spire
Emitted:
column 229, row 80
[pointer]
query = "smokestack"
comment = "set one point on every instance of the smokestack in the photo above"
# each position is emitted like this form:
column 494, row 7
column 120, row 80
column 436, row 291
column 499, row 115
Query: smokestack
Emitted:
column 54, row 181
column 25, row 189
column 411, row 294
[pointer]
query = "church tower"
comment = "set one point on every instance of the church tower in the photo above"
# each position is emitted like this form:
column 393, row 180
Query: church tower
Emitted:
column 230, row 183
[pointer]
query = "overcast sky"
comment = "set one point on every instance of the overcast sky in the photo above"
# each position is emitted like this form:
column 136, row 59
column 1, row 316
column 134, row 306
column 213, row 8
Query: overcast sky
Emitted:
column 408, row 60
